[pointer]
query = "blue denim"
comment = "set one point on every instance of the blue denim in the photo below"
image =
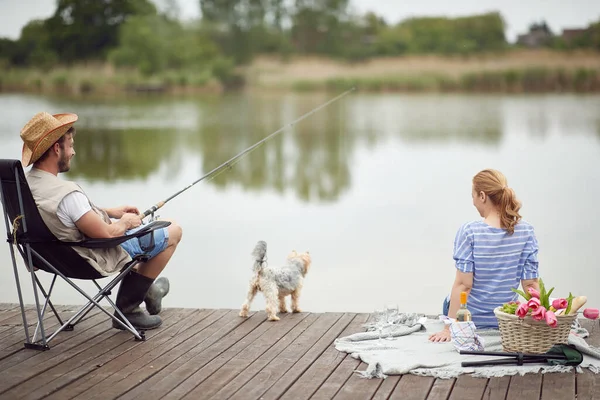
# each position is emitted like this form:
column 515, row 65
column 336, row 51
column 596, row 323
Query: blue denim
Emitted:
column 134, row 246
column 446, row 306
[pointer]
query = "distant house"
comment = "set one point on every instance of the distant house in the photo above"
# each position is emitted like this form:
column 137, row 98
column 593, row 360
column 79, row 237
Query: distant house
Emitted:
column 569, row 35
column 539, row 35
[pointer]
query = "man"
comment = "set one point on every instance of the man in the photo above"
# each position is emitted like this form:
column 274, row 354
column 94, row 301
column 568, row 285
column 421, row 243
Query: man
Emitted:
column 71, row 216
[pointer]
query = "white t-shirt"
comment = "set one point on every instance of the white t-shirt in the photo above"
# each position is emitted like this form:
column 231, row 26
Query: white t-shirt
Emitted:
column 72, row 207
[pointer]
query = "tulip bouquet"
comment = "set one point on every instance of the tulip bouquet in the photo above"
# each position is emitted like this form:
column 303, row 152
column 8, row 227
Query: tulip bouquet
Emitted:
column 538, row 305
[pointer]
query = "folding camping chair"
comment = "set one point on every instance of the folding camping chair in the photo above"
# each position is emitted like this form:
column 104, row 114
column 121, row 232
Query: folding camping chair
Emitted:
column 40, row 248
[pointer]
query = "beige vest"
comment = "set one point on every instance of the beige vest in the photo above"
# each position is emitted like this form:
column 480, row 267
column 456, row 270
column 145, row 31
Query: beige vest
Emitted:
column 48, row 191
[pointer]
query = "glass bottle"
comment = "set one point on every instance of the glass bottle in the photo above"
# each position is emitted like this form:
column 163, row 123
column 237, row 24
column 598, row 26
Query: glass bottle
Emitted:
column 463, row 314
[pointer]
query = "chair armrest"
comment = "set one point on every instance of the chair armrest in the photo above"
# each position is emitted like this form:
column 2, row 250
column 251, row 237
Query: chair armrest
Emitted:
column 113, row 242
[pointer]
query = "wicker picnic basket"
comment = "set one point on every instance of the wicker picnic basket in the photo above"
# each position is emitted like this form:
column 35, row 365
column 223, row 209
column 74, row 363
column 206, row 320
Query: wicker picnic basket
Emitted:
column 529, row 336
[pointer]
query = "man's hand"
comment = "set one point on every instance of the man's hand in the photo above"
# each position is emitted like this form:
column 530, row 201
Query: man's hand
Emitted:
column 131, row 220
column 118, row 212
column 441, row 336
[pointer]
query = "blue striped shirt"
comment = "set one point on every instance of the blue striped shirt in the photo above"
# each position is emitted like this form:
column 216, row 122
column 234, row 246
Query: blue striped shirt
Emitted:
column 498, row 262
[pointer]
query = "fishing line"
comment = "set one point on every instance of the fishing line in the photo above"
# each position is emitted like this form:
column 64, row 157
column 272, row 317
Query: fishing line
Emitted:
column 234, row 160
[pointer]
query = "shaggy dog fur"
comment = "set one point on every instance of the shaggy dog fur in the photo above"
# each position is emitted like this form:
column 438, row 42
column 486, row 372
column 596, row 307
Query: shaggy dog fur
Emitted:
column 276, row 282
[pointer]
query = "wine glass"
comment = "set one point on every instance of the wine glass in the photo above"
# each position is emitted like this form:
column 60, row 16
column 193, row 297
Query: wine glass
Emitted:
column 379, row 322
column 391, row 313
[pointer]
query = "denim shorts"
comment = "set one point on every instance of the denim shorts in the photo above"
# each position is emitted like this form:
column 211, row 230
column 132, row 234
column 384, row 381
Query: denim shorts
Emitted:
column 134, row 246
column 446, row 306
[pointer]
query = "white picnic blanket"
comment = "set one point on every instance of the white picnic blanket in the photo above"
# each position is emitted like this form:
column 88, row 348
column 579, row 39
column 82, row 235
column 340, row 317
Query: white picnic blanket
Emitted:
column 411, row 352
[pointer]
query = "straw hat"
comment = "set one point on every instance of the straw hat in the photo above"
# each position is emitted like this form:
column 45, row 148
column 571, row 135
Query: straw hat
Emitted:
column 41, row 132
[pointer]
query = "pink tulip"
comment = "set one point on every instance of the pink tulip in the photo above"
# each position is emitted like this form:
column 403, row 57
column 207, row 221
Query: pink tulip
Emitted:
column 535, row 294
column 559, row 304
column 539, row 314
column 551, row 319
column 522, row 310
column 591, row 313
column 534, row 303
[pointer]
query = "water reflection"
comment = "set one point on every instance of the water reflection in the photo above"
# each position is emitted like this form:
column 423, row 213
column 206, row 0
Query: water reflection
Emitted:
column 130, row 138
column 111, row 155
column 131, row 141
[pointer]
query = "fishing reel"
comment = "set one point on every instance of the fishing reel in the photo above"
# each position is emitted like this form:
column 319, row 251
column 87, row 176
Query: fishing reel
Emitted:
column 152, row 217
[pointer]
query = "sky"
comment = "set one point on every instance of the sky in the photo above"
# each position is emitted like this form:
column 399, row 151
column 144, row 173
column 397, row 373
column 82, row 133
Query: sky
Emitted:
column 518, row 14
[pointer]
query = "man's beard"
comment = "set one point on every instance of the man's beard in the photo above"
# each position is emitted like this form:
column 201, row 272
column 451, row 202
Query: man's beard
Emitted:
column 63, row 164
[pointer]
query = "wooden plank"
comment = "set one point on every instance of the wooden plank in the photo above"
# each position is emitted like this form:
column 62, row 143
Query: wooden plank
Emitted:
column 558, row 386
column 149, row 359
column 588, row 385
column 387, row 387
column 7, row 316
column 294, row 373
column 525, row 387
column 43, row 361
column 497, row 388
column 441, row 389
column 252, row 366
column 353, row 386
column 8, row 306
column 15, row 338
column 230, row 327
column 266, row 377
column 184, row 325
column 312, row 379
column 258, row 348
column 413, row 387
column 83, row 356
column 230, row 359
column 358, row 388
column 86, row 362
column 16, row 323
column 338, row 377
column 179, row 371
column 20, row 354
column 468, row 388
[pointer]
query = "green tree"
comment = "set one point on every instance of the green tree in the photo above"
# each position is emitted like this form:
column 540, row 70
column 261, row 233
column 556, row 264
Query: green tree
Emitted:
column 155, row 43
column 317, row 26
column 87, row 29
column 243, row 28
column 463, row 35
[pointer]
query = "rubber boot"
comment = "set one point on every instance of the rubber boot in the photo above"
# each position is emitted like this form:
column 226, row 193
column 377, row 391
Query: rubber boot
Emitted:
column 132, row 292
column 158, row 290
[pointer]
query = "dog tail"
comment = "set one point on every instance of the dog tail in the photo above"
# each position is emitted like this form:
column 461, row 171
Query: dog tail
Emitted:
column 260, row 256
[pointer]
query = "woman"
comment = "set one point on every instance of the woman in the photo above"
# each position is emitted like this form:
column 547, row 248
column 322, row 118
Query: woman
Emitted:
column 493, row 255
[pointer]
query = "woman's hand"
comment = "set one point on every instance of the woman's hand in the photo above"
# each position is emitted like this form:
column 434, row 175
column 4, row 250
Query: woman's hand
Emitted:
column 441, row 336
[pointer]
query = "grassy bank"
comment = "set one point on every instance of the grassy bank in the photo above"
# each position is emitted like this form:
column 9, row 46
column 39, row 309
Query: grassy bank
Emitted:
column 104, row 79
column 516, row 71
column 510, row 72
column 530, row 80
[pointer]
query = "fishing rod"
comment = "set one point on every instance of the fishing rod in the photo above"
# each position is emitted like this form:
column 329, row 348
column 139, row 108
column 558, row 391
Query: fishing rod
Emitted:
column 229, row 162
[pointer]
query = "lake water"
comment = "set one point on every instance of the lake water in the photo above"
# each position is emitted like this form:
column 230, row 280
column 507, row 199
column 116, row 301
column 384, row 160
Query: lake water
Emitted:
column 374, row 186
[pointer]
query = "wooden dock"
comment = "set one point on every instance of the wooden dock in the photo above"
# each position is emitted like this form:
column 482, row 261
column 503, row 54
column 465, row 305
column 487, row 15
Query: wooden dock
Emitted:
column 214, row 354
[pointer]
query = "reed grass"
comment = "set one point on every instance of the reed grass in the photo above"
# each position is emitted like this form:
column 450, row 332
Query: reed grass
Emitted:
column 504, row 81
column 102, row 79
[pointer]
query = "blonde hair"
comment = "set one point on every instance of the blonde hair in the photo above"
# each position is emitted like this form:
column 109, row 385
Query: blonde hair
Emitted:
column 493, row 184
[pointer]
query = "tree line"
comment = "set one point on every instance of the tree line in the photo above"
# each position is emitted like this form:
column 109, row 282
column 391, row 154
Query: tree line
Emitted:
column 134, row 33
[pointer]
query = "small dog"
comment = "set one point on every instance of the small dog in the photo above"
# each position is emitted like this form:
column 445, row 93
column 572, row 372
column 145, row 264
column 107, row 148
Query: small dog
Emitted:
column 276, row 282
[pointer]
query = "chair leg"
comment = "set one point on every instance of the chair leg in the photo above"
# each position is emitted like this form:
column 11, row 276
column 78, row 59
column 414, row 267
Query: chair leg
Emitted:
column 17, row 280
